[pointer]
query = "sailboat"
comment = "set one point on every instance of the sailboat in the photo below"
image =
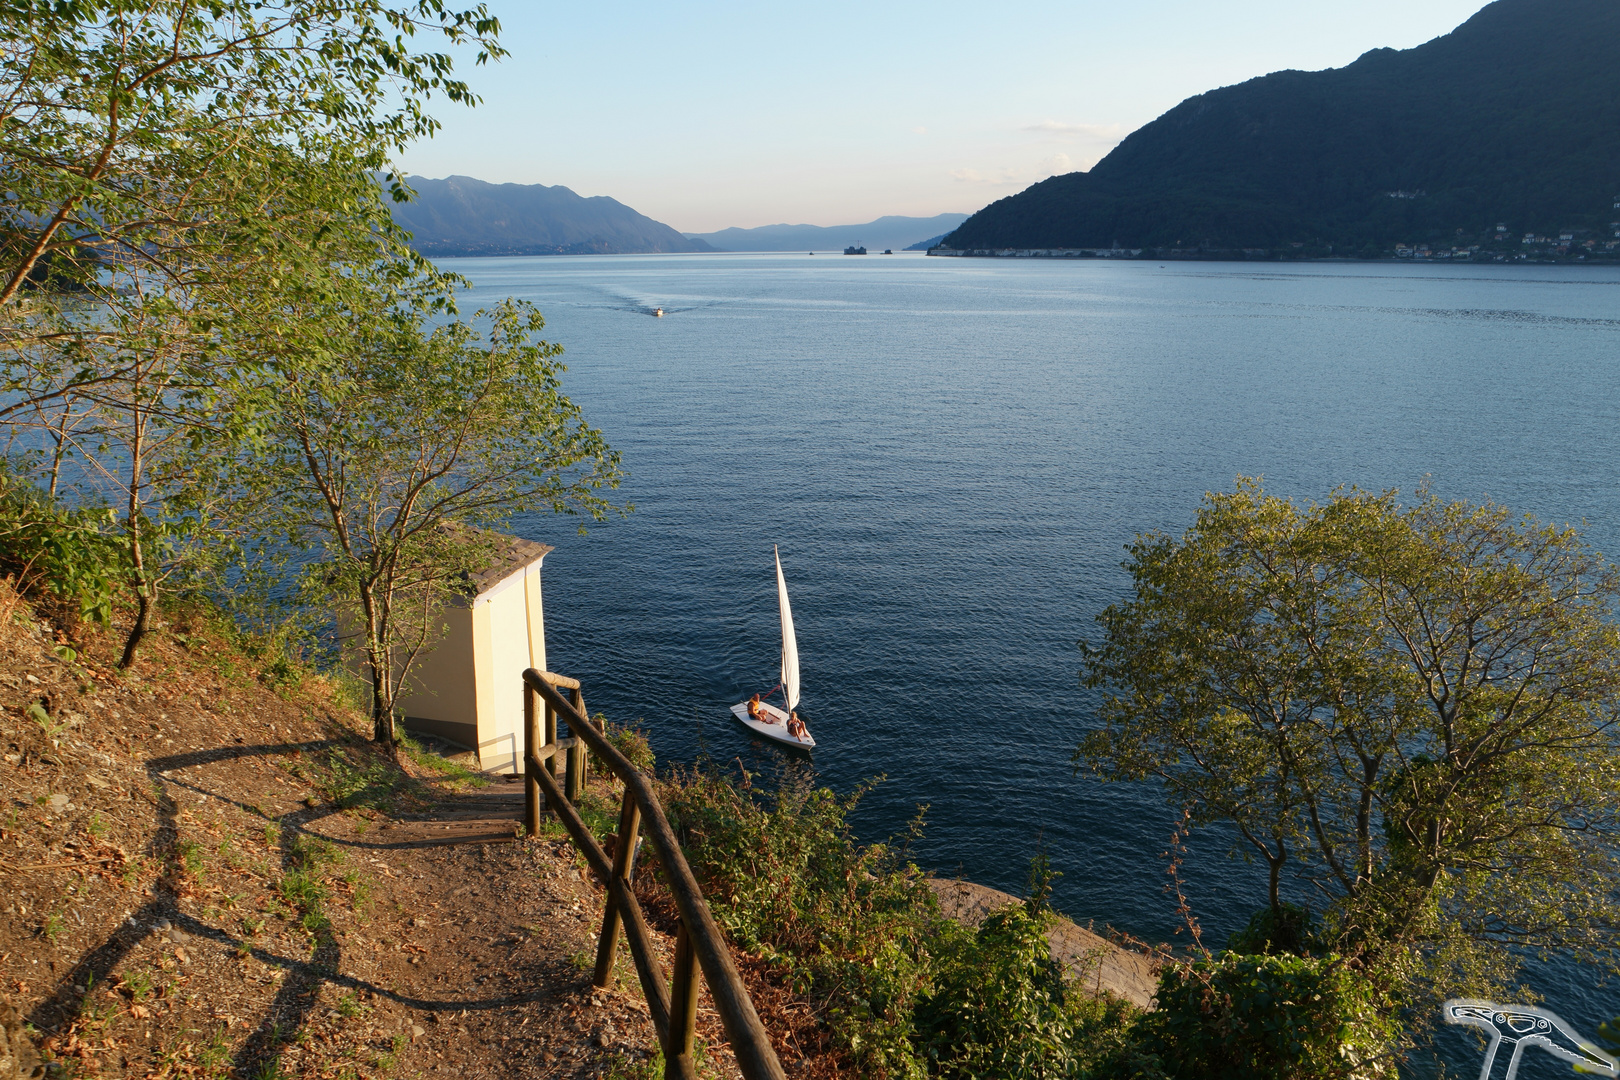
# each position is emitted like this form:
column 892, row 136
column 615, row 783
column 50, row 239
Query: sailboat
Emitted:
column 772, row 722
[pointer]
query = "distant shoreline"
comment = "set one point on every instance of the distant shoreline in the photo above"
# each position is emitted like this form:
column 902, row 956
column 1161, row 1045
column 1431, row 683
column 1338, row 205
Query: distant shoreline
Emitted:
column 1085, row 255
column 1266, row 255
column 1081, row 255
column 871, row 256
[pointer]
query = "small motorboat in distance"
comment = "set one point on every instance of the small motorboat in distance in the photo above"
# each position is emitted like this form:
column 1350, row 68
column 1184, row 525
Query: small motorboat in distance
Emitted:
column 658, row 313
column 773, row 723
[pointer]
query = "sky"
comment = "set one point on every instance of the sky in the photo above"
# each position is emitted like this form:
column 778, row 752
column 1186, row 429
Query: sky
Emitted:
column 711, row 114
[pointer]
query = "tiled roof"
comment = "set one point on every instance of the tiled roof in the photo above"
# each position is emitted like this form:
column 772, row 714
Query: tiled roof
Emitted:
column 511, row 554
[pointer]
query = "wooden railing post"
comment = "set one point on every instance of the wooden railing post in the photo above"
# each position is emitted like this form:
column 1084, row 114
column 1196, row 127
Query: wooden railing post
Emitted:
column 683, row 1003
column 701, row 949
column 624, row 855
column 531, row 783
column 576, row 753
column 550, row 764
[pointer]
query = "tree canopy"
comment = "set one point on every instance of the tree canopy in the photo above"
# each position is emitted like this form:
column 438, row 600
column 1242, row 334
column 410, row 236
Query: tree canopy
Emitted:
column 171, row 170
column 212, row 328
column 1408, row 713
column 393, row 453
column 131, row 131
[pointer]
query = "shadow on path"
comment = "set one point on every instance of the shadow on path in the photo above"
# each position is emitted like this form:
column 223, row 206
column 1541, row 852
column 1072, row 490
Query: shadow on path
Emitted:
column 300, row 990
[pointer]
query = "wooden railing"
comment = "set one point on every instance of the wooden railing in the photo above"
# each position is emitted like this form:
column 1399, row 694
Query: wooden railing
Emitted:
column 699, row 945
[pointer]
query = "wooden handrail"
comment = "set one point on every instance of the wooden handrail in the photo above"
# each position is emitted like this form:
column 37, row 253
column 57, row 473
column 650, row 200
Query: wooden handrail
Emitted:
column 673, row 1009
column 554, row 679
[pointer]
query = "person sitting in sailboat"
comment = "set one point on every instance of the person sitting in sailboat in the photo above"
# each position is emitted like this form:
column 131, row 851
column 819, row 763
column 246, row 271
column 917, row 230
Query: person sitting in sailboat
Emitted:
column 779, row 724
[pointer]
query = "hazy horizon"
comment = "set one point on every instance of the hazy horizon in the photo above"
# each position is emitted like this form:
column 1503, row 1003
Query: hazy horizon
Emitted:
column 705, row 232
column 724, row 115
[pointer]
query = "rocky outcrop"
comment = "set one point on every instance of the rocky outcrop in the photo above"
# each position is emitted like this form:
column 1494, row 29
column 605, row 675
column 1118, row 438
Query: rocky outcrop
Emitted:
column 1090, row 959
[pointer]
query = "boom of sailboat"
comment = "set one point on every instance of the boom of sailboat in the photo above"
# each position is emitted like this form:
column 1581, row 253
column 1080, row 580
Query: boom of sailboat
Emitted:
column 780, row 725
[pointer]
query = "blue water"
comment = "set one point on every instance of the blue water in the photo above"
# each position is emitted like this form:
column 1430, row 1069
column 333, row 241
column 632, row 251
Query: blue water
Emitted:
column 952, row 455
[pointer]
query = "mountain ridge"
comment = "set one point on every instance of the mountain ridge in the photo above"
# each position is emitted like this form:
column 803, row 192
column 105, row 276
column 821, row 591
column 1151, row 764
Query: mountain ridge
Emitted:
column 1508, row 120
column 461, row 215
column 890, row 231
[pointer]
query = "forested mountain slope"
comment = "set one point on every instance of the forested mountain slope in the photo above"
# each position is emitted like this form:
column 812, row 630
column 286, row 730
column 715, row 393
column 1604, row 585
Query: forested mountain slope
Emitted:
column 463, row 216
column 1511, row 119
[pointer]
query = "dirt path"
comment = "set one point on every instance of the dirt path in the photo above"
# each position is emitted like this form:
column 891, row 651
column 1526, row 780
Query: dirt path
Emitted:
column 207, row 871
column 202, row 875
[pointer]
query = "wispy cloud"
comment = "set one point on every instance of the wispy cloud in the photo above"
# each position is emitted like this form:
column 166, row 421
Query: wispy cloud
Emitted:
column 1057, row 163
column 1061, row 130
column 1006, row 177
column 998, row 178
column 920, row 130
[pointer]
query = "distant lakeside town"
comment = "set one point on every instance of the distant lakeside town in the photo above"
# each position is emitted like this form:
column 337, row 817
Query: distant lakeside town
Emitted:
column 1500, row 246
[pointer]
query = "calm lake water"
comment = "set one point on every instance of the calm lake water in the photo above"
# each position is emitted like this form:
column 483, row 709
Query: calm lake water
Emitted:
column 952, row 455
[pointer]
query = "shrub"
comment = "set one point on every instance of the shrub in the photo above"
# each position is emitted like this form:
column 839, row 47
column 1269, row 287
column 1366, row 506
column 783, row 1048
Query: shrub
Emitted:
column 71, row 558
column 631, row 741
column 1290, row 929
column 1236, row 1016
column 851, row 925
column 1000, row 1006
column 906, row 991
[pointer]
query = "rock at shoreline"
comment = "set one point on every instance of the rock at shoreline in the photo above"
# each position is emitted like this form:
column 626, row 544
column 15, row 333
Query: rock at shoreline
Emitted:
column 1089, row 958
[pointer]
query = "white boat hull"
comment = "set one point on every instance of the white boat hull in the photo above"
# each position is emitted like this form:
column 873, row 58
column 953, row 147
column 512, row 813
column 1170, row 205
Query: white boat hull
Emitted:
column 776, row 730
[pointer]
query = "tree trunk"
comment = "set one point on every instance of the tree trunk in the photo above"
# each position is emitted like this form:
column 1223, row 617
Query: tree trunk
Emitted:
column 59, row 452
column 143, row 622
column 382, row 705
column 379, row 655
column 137, row 556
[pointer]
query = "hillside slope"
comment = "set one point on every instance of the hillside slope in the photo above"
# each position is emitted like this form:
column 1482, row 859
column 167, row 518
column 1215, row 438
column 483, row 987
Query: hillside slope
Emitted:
column 207, row 871
column 1511, row 119
column 463, row 216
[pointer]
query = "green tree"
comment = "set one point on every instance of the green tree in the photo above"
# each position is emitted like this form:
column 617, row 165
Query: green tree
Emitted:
column 396, row 448
column 1413, row 709
column 173, row 170
column 121, row 119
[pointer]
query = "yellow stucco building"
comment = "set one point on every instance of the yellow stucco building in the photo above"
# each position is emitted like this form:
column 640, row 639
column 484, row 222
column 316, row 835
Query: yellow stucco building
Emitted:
column 467, row 689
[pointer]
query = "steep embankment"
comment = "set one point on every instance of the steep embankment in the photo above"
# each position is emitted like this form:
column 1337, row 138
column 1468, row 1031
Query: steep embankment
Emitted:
column 463, row 216
column 1510, row 119
column 205, row 872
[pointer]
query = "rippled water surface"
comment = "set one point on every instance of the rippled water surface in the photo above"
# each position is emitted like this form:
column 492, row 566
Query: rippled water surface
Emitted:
column 952, row 455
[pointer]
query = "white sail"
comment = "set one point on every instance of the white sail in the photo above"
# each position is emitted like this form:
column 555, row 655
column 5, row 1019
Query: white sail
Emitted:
column 790, row 644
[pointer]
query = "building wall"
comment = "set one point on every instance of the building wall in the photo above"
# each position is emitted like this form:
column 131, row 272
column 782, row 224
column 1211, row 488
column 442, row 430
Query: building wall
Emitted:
column 537, row 619
column 508, row 630
column 468, row 687
column 442, row 700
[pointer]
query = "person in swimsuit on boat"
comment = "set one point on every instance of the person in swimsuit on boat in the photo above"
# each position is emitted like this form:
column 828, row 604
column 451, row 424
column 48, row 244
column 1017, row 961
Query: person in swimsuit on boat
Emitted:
column 796, row 727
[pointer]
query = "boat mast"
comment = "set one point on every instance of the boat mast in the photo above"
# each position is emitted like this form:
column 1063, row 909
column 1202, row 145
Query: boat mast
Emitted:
column 790, row 644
